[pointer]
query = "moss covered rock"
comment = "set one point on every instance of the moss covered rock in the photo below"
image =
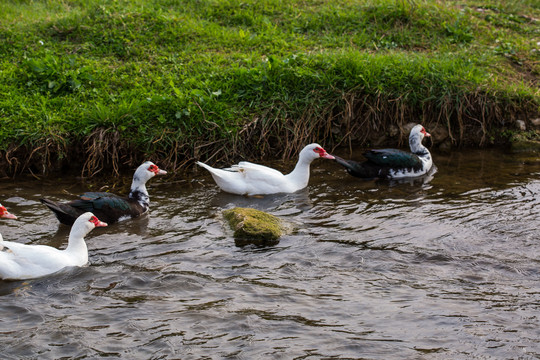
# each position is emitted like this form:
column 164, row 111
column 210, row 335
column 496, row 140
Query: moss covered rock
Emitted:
column 526, row 141
column 252, row 226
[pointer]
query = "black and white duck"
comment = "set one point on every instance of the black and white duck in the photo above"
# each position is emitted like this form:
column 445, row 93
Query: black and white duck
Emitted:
column 107, row 206
column 393, row 163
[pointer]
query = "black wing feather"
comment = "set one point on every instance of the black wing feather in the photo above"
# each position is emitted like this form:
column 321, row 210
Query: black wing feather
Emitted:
column 98, row 200
column 393, row 158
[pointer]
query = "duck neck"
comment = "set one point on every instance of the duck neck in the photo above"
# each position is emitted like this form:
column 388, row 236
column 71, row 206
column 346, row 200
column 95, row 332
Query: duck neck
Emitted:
column 140, row 194
column 77, row 245
column 300, row 174
column 416, row 146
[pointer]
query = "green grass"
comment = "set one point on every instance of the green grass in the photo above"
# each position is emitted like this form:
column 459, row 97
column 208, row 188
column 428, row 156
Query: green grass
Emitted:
column 95, row 84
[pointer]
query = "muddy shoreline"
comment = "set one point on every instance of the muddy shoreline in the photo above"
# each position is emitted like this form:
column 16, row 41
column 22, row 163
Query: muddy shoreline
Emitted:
column 84, row 158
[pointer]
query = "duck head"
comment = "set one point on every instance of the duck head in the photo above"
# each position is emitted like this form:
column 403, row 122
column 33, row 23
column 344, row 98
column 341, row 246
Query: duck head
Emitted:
column 5, row 214
column 418, row 131
column 86, row 223
column 314, row 151
column 147, row 171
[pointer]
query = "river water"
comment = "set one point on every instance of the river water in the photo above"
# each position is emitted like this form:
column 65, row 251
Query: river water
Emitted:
column 445, row 267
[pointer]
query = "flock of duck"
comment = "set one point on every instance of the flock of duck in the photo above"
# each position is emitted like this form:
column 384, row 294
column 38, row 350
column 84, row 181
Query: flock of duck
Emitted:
column 98, row 209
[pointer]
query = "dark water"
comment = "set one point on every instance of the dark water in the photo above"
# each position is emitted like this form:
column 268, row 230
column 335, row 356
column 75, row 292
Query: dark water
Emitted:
column 441, row 268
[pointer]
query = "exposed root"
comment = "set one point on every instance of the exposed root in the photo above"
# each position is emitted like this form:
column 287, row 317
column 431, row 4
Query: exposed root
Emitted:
column 101, row 148
column 351, row 119
column 45, row 155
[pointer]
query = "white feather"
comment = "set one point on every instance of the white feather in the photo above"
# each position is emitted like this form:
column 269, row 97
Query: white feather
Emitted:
column 246, row 178
column 24, row 261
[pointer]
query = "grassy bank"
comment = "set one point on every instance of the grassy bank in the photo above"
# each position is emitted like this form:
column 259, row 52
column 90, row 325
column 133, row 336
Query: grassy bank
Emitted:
column 92, row 84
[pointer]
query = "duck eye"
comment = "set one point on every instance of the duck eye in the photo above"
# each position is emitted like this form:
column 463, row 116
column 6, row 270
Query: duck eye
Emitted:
column 94, row 219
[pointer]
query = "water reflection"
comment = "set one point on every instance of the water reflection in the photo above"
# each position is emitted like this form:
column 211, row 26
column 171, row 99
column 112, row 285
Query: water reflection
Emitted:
column 413, row 181
column 282, row 204
column 440, row 267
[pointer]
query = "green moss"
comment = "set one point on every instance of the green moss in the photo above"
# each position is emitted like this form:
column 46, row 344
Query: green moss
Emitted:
column 526, row 141
column 252, row 226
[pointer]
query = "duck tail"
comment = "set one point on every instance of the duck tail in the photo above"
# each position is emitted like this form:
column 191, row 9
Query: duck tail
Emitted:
column 59, row 211
column 207, row 167
column 342, row 162
column 362, row 170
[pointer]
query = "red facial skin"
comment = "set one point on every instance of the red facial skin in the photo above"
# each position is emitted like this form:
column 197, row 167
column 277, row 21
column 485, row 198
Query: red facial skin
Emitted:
column 94, row 220
column 322, row 153
column 5, row 214
column 156, row 170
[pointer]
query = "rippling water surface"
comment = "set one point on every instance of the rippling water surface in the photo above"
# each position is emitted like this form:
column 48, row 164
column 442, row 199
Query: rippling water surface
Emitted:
column 437, row 268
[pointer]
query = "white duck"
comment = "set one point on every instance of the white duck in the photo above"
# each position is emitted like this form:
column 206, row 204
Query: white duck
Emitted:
column 22, row 261
column 247, row 178
column 5, row 214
